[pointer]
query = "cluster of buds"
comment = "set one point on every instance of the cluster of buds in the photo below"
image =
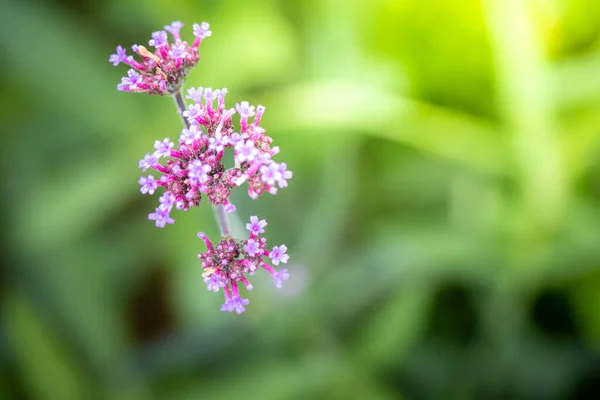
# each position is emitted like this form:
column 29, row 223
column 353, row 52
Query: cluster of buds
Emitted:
column 195, row 166
column 164, row 70
column 226, row 264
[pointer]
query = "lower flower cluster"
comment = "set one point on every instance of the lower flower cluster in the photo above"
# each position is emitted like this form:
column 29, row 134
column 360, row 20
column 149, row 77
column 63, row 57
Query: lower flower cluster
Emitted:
column 226, row 264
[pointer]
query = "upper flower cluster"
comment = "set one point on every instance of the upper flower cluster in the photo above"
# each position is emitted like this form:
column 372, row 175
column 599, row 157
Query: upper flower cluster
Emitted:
column 194, row 167
column 226, row 263
column 164, row 70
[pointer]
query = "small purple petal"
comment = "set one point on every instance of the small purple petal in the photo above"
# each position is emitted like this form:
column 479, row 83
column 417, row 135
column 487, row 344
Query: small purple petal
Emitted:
column 278, row 255
column 161, row 217
column 215, row 282
column 255, row 226
column 284, row 175
column 202, row 31
column 174, row 28
column 178, row 51
column 244, row 109
column 252, row 248
column 279, row 277
column 119, row 57
column 147, row 162
column 209, row 95
column 270, row 173
column 195, row 94
column 149, row 185
column 188, row 136
column 245, row 151
column 159, row 39
column 198, row 172
column 163, row 149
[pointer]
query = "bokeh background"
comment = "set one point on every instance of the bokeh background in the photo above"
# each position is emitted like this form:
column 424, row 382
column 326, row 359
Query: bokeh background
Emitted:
column 443, row 219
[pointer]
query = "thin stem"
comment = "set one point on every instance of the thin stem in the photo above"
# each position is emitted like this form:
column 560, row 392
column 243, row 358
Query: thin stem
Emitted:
column 218, row 209
column 222, row 220
column 180, row 103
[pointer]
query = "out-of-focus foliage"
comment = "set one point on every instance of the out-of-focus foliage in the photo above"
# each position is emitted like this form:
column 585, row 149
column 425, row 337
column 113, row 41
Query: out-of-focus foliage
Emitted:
column 443, row 219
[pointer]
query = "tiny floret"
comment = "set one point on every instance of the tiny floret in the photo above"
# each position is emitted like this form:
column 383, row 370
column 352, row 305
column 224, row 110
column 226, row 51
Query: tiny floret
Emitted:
column 148, row 184
column 245, row 151
column 279, row 277
column 278, row 255
column 202, row 30
column 148, row 161
column 255, row 226
column 119, row 57
column 159, row 39
column 161, row 216
column 244, row 109
column 163, row 149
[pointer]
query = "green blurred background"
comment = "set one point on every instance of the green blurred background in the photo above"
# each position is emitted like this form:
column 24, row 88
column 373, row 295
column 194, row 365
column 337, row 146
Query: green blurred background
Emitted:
column 443, row 219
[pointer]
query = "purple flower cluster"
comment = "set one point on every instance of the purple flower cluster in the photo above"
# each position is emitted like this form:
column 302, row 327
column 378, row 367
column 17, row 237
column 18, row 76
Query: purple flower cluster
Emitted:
column 194, row 167
column 226, row 264
column 164, row 70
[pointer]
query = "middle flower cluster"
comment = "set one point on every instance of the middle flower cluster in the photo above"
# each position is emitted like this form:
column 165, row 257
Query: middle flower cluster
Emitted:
column 194, row 168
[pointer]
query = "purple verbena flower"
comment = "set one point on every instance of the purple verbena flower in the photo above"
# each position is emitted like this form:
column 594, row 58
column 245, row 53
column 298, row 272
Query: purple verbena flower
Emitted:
column 174, row 29
column 217, row 143
column 279, row 277
column 252, row 248
column 255, row 226
column 178, row 51
column 159, row 39
column 215, row 282
column 119, row 57
column 202, row 31
column 167, row 200
column 131, row 82
column 209, row 96
column 278, row 255
column 270, row 173
column 227, row 264
column 161, row 216
column 237, row 304
column 245, row 151
column 148, row 161
column 148, row 184
column 199, row 172
column 244, row 109
column 195, row 94
column 285, row 175
column 189, row 136
column 163, row 149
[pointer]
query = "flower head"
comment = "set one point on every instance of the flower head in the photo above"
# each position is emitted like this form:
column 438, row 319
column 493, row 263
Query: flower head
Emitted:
column 193, row 167
column 164, row 70
column 227, row 264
